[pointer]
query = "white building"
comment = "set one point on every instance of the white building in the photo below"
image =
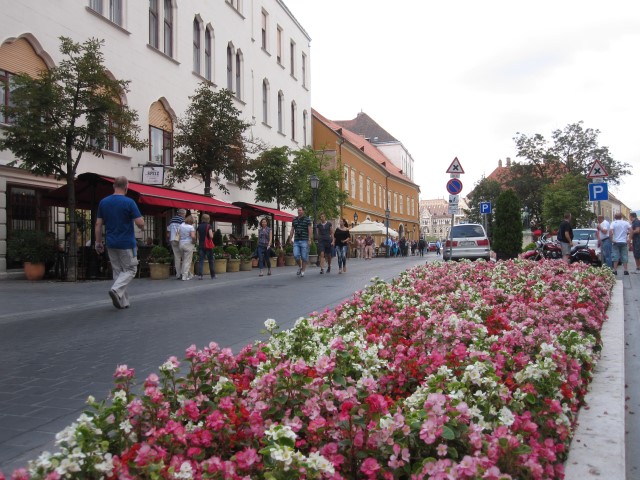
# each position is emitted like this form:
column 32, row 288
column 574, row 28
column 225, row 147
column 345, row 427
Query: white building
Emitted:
column 165, row 48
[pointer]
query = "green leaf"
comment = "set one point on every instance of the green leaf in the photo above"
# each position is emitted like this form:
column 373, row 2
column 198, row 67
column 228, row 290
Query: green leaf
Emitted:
column 448, row 433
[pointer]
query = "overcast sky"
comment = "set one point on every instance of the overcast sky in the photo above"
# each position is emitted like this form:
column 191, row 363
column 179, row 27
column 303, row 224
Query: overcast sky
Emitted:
column 461, row 78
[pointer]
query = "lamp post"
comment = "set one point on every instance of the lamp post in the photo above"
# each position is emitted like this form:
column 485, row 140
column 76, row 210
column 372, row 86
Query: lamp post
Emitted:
column 355, row 218
column 387, row 214
column 314, row 181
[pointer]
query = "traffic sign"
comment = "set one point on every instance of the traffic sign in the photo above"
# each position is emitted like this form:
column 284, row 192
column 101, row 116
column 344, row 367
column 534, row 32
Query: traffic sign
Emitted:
column 454, row 199
column 455, row 167
column 453, row 209
column 454, row 186
column 485, row 207
column 598, row 191
column 597, row 170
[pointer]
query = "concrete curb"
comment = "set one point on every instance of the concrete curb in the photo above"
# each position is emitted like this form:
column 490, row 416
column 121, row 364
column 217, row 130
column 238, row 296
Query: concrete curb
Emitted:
column 598, row 446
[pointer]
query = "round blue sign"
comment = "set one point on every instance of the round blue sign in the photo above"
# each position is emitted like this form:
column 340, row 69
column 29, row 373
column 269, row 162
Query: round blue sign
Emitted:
column 454, row 186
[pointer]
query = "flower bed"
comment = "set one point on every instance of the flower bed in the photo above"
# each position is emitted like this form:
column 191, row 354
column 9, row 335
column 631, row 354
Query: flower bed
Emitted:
column 456, row 370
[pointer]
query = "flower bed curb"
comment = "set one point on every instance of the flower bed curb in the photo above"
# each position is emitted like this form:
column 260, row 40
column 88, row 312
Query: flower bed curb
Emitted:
column 598, row 447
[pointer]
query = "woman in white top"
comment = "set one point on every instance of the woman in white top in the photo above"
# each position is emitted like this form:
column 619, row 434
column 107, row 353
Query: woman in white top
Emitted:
column 187, row 242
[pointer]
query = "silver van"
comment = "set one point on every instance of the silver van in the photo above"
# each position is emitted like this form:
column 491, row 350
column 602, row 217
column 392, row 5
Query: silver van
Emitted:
column 467, row 240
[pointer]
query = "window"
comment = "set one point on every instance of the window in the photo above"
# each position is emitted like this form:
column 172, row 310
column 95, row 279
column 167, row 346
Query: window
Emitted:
column 265, row 102
column 280, row 112
column 265, row 22
column 401, row 204
column 96, row 5
column 353, row 183
column 304, row 70
column 293, row 58
column 168, row 28
column 361, row 188
column 346, row 179
column 153, row 23
column 196, row 45
column 229, row 68
column 375, row 194
column 115, row 11
column 207, row 54
column 5, row 94
column 369, row 191
column 279, row 46
column 293, row 120
column 239, row 74
column 160, row 146
column 236, row 4
column 395, row 202
column 305, row 119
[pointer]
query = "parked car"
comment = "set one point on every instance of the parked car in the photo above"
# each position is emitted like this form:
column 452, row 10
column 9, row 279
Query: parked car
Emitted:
column 587, row 237
column 467, row 240
column 432, row 246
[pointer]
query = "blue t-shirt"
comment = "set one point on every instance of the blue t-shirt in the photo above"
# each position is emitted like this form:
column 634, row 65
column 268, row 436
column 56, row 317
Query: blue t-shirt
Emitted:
column 118, row 213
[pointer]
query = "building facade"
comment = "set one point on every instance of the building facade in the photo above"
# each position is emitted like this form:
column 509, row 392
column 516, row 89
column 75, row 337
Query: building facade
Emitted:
column 374, row 184
column 165, row 48
column 435, row 219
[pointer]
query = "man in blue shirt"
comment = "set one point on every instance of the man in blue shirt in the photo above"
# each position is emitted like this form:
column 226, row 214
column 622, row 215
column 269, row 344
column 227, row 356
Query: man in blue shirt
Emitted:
column 301, row 228
column 118, row 213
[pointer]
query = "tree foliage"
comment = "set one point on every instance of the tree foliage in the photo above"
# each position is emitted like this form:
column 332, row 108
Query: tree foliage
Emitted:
column 68, row 110
column 507, row 230
column 569, row 194
column 486, row 190
column 272, row 177
column 210, row 142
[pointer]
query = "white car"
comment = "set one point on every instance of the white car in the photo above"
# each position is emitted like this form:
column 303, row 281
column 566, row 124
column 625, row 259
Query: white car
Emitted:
column 586, row 236
column 467, row 240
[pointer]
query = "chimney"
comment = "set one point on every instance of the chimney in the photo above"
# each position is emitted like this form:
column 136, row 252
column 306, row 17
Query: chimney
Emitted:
column 499, row 163
column 508, row 161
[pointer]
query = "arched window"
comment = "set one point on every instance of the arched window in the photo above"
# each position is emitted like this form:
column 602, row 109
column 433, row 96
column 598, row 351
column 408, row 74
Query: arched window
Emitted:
column 293, row 120
column 280, row 112
column 208, row 50
column 168, row 28
column 160, row 135
column 239, row 74
column 196, row 45
column 305, row 119
column 265, row 101
column 229, row 68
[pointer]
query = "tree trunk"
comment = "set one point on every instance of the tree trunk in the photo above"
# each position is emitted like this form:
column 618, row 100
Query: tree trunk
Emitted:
column 72, row 263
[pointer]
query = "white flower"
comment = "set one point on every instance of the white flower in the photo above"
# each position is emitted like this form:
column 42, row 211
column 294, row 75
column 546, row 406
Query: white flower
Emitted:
column 282, row 454
column 168, row 366
column 106, row 466
column 276, row 432
column 506, row 416
column 120, row 396
column 319, row 463
column 270, row 324
column 126, row 426
column 185, row 473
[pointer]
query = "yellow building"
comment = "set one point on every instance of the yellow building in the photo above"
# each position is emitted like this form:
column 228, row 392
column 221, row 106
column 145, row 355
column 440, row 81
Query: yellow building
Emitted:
column 374, row 184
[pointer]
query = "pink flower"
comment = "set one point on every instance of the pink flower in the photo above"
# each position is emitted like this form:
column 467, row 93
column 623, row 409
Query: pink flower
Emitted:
column 370, row 467
column 246, row 458
column 122, row 371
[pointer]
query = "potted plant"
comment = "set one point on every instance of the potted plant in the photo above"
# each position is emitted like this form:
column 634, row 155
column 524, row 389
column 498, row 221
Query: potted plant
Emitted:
column 159, row 261
column 233, row 255
column 33, row 248
column 219, row 260
column 289, row 259
column 313, row 254
column 276, row 258
column 245, row 259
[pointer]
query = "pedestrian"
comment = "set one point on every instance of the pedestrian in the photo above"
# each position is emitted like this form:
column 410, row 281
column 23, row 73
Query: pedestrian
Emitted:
column 187, row 243
column 118, row 213
column 174, row 239
column 368, row 247
column 302, row 230
column 360, row 247
column 635, row 239
column 620, row 233
column 402, row 246
column 325, row 242
column 265, row 240
column 421, row 246
column 438, row 247
column 342, row 239
column 205, row 245
column 565, row 236
column 604, row 240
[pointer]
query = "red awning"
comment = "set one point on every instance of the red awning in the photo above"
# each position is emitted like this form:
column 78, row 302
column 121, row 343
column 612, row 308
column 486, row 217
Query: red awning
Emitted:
column 91, row 188
column 256, row 210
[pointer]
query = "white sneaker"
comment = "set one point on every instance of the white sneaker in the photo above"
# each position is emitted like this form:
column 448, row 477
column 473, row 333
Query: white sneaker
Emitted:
column 302, row 274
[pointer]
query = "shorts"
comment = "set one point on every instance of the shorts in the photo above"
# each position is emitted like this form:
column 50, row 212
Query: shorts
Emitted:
column 324, row 246
column 620, row 252
column 566, row 248
column 301, row 249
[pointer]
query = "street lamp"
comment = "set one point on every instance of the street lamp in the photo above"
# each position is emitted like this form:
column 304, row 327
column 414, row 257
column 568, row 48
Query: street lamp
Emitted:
column 355, row 218
column 314, row 181
column 387, row 214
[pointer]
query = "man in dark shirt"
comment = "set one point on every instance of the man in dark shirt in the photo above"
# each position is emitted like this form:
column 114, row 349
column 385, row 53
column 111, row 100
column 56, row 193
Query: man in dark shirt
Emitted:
column 635, row 239
column 301, row 228
column 565, row 236
column 325, row 242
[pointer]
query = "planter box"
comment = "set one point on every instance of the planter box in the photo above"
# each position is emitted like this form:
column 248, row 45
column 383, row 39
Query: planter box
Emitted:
column 233, row 265
column 274, row 262
column 33, row 271
column 245, row 265
column 220, row 265
column 313, row 259
column 290, row 261
column 159, row 271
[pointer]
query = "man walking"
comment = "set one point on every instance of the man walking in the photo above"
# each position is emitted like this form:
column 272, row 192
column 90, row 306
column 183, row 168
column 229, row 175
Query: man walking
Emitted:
column 604, row 240
column 325, row 242
column 118, row 213
column 565, row 236
column 635, row 238
column 301, row 228
column 174, row 240
column 620, row 235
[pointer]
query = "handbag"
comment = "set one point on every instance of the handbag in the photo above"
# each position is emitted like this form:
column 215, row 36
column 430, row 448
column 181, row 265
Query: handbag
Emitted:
column 176, row 237
column 208, row 241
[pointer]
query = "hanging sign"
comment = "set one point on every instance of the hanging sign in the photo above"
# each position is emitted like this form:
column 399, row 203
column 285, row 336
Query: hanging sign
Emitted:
column 153, row 175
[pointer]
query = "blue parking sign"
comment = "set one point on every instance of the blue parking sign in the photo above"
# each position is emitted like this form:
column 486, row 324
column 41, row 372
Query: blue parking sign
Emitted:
column 598, row 191
column 485, row 207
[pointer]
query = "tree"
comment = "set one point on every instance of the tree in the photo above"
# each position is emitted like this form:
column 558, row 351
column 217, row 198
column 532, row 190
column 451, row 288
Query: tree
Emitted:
column 569, row 194
column 507, row 232
column 210, row 142
column 69, row 110
column 486, row 190
column 272, row 176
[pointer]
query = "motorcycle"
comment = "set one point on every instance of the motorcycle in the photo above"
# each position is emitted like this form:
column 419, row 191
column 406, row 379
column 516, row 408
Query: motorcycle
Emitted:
column 551, row 249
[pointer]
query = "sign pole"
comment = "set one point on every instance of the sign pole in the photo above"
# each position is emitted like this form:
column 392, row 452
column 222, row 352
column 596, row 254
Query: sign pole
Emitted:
column 454, row 187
